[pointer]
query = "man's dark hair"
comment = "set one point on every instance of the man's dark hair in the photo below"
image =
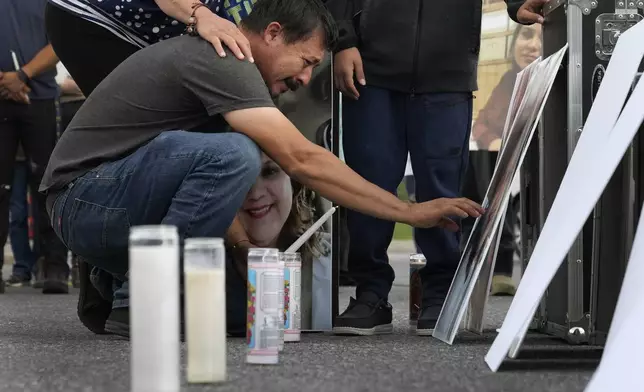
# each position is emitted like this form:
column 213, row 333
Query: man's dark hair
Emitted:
column 299, row 18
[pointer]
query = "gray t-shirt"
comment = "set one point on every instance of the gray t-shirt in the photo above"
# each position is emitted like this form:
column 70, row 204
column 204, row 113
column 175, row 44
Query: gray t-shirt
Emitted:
column 176, row 84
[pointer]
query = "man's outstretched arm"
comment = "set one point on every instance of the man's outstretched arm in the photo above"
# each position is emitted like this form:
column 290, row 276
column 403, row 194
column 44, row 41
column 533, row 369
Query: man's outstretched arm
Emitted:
column 320, row 170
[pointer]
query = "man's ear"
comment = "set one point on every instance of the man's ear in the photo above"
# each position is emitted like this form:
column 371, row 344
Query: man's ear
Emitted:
column 273, row 33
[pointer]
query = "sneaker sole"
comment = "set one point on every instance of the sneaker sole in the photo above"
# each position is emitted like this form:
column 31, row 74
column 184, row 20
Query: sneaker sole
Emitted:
column 377, row 330
column 425, row 332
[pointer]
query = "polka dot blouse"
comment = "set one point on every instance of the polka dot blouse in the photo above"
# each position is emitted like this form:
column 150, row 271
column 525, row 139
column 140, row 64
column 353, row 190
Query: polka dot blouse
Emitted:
column 142, row 22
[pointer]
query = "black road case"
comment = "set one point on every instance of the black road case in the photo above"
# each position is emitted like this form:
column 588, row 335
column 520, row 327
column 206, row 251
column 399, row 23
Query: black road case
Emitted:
column 579, row 303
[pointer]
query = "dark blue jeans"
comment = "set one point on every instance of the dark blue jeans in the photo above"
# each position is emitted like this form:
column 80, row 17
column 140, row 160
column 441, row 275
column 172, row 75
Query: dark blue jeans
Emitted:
column 378, row 131
column 194, row 181
column 19, row 224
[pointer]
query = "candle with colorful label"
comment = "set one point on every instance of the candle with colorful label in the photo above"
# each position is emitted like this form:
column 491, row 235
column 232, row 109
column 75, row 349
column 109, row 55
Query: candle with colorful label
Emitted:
column 265, row 283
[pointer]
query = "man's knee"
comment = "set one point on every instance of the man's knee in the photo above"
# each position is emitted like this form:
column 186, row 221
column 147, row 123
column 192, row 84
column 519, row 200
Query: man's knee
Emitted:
column 231, row 149
column 242, row 153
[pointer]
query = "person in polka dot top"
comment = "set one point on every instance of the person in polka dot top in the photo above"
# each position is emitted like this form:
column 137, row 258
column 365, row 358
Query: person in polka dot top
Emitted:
column 91, row 37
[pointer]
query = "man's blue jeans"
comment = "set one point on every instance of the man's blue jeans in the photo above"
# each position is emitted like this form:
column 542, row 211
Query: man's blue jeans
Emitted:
column 19, row 224
column 194, row 181
column 378, row 131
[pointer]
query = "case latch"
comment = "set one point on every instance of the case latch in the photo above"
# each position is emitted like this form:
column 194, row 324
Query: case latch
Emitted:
column 608, row 27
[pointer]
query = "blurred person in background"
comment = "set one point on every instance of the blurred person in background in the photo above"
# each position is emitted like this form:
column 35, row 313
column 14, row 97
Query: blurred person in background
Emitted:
column 407, row 73
column 524, row 49
column 19, row 211
column 28, row 117
column 487, row 133
column 24, row 256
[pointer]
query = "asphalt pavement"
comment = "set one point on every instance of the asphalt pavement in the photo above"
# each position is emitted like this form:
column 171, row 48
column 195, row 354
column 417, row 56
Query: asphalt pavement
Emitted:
column 44, row 348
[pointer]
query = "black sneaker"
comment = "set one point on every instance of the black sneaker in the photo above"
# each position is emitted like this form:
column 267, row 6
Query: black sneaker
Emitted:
column 427, row 320
column 118, row 323
column 366, row 316
column 93, row 310
column 18, row 281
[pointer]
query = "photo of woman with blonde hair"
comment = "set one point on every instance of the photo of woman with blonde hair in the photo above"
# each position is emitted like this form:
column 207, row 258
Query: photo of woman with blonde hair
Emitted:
column 276, row 211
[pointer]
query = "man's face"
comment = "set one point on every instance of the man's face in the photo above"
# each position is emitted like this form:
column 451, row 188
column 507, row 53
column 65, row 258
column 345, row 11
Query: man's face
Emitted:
column 287, row 66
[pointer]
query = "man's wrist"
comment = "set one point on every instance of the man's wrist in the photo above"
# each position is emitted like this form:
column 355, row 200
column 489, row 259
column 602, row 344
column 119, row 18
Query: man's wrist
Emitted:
column 403, row 212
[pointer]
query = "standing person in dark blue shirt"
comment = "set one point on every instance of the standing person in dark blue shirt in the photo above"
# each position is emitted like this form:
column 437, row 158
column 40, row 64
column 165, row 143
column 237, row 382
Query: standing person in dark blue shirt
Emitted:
column 407, row 71
column 28, row 117
column 92, row 37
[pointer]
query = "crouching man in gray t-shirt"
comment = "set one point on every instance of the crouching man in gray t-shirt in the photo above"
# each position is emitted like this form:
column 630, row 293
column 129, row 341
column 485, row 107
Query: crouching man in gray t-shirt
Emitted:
column 152, row 145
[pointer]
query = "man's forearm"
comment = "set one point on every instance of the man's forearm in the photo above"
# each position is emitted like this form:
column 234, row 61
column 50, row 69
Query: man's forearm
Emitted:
column 334, row 180
column 313, row 166
column 43, row 61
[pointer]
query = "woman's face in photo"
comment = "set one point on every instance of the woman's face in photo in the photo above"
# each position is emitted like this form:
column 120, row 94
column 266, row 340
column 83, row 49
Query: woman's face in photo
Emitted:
column 267, row 205
column 527, row 46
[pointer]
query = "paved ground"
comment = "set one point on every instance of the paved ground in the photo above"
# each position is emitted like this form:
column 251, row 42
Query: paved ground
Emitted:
column 44, row 348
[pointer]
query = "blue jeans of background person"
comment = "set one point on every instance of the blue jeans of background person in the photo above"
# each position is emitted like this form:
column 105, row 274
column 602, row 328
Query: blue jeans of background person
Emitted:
column 194, row 181
column 25, row 257
column 378, row 131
